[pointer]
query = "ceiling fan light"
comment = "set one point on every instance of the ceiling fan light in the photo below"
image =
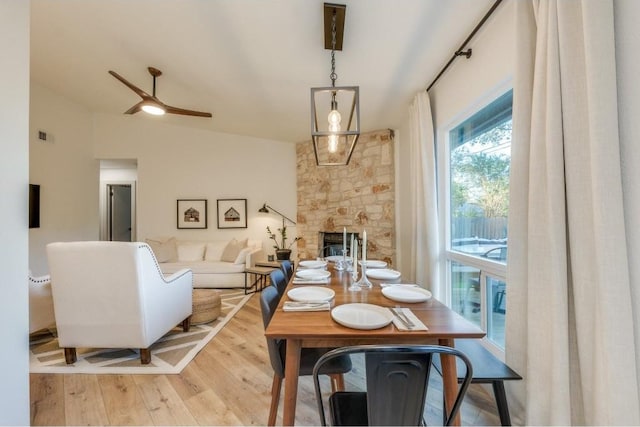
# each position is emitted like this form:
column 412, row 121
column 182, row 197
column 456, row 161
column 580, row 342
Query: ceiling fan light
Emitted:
column 153, row 109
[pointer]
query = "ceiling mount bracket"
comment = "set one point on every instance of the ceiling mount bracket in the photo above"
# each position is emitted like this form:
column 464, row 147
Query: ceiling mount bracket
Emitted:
column 340, row 11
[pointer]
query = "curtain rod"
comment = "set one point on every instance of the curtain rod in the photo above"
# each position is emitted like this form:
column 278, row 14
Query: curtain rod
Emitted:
column 467, row 52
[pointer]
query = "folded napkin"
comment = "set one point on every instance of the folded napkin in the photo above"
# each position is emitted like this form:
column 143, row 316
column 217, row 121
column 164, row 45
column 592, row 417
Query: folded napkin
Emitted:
column 417, row 323
column 306, row 306
column 299, row 281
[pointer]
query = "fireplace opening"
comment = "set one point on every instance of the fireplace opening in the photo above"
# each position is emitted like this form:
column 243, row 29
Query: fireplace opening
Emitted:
column 331, row 243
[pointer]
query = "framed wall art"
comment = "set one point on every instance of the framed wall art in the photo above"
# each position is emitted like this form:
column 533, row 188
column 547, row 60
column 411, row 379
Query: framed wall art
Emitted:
column 232, row 213
column 192, row 213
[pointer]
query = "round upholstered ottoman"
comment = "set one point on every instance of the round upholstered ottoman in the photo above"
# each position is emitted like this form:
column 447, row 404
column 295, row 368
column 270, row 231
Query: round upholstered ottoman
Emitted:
column 206, row 306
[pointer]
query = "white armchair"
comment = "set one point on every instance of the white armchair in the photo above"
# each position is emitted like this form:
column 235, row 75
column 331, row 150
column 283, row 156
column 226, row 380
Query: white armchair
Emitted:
column 40, row 303
column 113, row 295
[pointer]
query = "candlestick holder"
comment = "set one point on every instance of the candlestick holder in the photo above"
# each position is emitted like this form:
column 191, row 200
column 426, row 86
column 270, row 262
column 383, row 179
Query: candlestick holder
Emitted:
column 341, row 264
column 354, row 286
column 349, row 264
column 364, row 282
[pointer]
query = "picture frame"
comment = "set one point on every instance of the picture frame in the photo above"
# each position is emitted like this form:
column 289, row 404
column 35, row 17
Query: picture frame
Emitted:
column 232, row 213
column 191, row 213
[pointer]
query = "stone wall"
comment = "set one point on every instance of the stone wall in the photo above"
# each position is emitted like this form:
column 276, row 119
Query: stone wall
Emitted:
column 359, row 196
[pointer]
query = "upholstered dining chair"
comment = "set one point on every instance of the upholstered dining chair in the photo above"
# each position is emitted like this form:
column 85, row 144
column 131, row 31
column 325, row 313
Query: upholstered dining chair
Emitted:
column 113, row 295
column 396, row 381
column 278, row 280
column 269, row 300
column 40, row 303
column 287, row 269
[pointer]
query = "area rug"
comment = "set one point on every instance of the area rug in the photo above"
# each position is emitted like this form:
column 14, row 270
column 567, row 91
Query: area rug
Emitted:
column 169, row 355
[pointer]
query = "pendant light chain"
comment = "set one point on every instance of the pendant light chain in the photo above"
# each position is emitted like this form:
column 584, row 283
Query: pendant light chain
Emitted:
column 333, row 76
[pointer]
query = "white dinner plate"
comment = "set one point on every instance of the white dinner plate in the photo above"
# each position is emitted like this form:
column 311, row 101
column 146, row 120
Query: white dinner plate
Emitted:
column 311, row 294
column 333, row 258
column 313, row 273
column 403, row 293
column 312, row 264
column 374, row 263
column 362, row 316
column 383, row 273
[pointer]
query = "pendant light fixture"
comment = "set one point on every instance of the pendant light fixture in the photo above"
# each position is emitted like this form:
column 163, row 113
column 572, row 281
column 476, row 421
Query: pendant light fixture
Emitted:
column 335, row 111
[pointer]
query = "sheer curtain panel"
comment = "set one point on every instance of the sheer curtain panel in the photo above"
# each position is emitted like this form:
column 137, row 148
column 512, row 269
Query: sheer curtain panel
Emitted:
column 424, row 222
column 570, row 326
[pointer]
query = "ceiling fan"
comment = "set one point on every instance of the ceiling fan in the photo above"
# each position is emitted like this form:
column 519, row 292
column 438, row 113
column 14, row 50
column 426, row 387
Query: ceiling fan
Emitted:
column 152, row 105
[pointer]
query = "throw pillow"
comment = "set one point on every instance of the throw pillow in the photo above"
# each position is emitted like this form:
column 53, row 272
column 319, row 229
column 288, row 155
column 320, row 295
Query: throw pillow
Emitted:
column 191, row 252
column 242, row 256
column 163, row 249
column 232, row 250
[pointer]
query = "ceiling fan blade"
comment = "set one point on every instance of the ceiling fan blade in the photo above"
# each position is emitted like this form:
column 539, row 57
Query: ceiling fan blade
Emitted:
column 140, row 92
column 175, row 110
column 135, row 108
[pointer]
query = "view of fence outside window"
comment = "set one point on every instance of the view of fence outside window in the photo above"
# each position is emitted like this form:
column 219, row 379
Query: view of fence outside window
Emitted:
column 479, row 157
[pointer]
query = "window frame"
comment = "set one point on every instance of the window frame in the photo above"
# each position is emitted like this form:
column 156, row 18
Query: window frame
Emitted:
column 488, row 268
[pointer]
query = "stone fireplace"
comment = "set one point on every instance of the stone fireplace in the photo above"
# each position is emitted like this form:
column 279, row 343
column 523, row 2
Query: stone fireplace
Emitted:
column 359, row 196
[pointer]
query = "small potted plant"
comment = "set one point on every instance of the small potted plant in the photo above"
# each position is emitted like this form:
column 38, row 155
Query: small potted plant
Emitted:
column 283, row 252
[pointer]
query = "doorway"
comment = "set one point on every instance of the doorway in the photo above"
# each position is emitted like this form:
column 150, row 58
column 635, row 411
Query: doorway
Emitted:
column 119, row 212
column 117, row 195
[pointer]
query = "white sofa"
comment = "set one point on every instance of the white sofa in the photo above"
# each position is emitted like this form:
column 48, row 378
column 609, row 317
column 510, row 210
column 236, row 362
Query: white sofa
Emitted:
column 215, row 264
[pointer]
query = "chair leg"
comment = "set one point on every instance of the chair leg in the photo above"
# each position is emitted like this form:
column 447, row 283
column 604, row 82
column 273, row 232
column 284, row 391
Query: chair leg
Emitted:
column 145, row 356
column 70, row 355
column 337, row 382
column 275, row 399
column 501, row 402
column 186, row 324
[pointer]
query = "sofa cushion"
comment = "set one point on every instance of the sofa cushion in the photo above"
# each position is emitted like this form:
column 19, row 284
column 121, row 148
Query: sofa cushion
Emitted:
column 214, row 250
column 203, row 267
column 191, row 252
column 164, row 249
column 232, row 250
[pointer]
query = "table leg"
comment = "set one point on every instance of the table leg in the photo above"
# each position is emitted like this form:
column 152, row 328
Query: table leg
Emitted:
column 291, row 373
column 449, row 377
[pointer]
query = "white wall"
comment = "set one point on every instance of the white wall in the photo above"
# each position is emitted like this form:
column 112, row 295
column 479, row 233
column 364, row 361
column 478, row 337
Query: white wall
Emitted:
column 466, row 84
column 14, row 179
column 66, row 171
column 177, row 162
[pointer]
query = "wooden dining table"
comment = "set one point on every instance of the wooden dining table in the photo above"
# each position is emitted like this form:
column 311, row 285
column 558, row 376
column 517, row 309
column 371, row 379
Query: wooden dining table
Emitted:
column 318, row 329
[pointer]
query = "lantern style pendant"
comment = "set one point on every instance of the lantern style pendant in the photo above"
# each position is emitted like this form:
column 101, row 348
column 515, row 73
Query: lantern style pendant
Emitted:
column 335, row 110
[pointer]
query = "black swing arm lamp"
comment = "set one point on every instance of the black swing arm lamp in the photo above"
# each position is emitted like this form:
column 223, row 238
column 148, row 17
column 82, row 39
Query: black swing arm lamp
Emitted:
column 265, row 209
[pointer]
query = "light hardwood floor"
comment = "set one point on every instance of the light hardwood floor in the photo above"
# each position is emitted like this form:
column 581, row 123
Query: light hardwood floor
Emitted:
column 228, row 383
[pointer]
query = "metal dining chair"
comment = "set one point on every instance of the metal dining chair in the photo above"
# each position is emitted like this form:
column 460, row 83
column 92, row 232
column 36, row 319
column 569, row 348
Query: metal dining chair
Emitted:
column 269, row 299
column 278, row 280
column 397, row 377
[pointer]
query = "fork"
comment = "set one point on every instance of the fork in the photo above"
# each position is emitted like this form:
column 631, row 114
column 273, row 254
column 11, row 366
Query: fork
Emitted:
column 402, row 317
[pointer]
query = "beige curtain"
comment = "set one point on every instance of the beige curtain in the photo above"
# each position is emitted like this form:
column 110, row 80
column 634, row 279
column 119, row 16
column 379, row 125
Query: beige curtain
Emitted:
column 570, row 327
column 424, row 211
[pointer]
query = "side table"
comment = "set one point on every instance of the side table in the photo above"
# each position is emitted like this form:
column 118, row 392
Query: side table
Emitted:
column 272, row 264
column 256, row 278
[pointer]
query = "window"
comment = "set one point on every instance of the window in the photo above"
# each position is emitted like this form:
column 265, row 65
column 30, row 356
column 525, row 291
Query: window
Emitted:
column 476, row 157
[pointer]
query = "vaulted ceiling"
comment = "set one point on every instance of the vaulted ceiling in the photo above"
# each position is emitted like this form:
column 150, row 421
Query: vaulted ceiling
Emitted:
column 249, row 62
